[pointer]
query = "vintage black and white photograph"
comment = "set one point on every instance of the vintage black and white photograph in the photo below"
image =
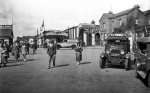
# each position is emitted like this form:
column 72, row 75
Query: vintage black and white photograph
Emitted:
column 74, row 46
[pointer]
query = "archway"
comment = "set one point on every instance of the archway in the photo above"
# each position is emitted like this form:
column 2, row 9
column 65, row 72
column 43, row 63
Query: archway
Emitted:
column 81, row 36
column 89, row 39
column 97, row 39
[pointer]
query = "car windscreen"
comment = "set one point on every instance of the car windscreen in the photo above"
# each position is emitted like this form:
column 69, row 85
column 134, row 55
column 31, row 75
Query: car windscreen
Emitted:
column 117, row 42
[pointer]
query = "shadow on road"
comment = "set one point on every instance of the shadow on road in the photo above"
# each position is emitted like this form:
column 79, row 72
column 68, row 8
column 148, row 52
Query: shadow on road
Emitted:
column 12, row 65
column 115, row 66
column 62, row 65
column 82, row 63
column 32, row 59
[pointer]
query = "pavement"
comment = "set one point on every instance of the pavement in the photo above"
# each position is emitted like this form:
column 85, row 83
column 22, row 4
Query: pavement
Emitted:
column 67, row 77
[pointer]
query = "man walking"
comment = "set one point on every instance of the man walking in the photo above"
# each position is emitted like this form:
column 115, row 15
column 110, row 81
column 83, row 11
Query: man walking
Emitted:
column 51, row 51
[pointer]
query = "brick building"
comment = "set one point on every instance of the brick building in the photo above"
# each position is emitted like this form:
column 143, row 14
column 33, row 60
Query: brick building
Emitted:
column 128, row 19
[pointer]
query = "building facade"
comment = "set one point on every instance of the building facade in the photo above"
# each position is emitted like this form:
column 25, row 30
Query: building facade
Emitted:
column 125, row 20
column 86, row 33
column 6, row 34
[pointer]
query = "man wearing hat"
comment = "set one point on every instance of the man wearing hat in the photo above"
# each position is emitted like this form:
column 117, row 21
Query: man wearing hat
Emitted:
column 51, row 51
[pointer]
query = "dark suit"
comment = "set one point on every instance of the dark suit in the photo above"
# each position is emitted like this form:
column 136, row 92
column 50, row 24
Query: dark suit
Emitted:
column 51, row 51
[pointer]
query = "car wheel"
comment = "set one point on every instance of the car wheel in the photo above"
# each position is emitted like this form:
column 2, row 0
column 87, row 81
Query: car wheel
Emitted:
column 102, row 62
column 148, row 81
column 127, row 64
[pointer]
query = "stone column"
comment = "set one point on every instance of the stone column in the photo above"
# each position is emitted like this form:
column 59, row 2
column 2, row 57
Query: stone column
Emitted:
column 85, row 38
column 93, row 39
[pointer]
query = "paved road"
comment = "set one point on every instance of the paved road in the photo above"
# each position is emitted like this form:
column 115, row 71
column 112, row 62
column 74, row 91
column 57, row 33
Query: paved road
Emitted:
column 33, row 77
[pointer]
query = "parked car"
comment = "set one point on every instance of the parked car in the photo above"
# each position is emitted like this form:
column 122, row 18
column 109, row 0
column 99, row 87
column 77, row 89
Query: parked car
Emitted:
column 67, row 44
column 116, row 51
column 142, row 58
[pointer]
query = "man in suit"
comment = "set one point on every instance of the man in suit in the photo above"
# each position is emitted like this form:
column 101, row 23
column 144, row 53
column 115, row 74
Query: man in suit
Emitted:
column 51, row 51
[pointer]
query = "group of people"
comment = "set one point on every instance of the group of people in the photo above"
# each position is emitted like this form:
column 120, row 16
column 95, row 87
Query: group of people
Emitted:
column 52, row 50
column 16, row 49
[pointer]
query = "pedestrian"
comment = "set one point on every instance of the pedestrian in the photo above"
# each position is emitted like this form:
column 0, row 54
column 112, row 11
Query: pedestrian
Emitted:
column 78, row 50
column 27, row 46
column 55, row 49
column 7, row 48
column 34, row 48
column 51, row 51
column 24, row 51
column 16, row 51
column 3, row 55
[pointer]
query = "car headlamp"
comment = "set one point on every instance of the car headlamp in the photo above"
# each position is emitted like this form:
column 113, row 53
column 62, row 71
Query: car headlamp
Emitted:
column 122, row 52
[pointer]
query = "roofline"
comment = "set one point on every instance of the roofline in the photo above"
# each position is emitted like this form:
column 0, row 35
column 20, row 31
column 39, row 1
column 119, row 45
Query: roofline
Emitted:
column 132, row 9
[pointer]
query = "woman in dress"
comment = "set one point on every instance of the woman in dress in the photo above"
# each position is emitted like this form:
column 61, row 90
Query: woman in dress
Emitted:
column 78, row 50
column 16, row 51
column 3, row 55
column 24, row 51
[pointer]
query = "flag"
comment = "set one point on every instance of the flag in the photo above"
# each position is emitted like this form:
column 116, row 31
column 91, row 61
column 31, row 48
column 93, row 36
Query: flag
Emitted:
column 43, row 24
column 37, row 32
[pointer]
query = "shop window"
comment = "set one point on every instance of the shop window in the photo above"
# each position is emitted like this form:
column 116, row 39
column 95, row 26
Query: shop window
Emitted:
column 142, row 47
column 113, row 23
column 136, row 21
column 120, row 22
column 103, row 25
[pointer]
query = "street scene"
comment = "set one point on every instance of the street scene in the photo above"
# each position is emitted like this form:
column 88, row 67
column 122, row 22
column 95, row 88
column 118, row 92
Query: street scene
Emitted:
column 74, row 46
column 66, row 77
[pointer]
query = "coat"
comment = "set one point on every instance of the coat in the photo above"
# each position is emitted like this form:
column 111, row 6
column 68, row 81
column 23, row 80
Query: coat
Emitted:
column 3, row 54
column 51, row 50
column 24, row 49
column 78, row 53
column 16, row 51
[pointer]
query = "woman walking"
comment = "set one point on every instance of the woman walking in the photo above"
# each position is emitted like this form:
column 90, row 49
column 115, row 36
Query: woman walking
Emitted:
column 24, row 51
column 16, row 51
column 78, row 50
column 3, row 55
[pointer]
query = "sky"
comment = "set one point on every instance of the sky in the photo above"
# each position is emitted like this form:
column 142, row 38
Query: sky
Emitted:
column 28, row 15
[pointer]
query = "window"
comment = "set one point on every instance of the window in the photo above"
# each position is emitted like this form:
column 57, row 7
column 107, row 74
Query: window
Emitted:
column 120, row 23
column 136, row 21
column 113, row 23
column 103, row 25
column 149, row 22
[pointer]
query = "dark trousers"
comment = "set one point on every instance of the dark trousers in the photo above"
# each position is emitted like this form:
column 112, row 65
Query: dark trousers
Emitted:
column 27, row 50
column 52, row 58
column 34, row 51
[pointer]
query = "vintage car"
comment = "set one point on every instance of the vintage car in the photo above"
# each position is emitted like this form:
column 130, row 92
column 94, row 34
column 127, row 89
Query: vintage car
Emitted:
column 116, row 51
column 67, row 44
column 142, row 58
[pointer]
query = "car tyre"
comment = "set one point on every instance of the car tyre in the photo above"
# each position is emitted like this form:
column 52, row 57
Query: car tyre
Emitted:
column 148, row 80
column 127, row 64
column 102, row 63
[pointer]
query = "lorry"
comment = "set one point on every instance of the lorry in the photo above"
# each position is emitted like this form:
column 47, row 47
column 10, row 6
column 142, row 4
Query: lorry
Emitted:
column 116, row 51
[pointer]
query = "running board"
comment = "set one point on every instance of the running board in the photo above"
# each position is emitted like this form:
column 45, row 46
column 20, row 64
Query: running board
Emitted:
column 142, row 74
